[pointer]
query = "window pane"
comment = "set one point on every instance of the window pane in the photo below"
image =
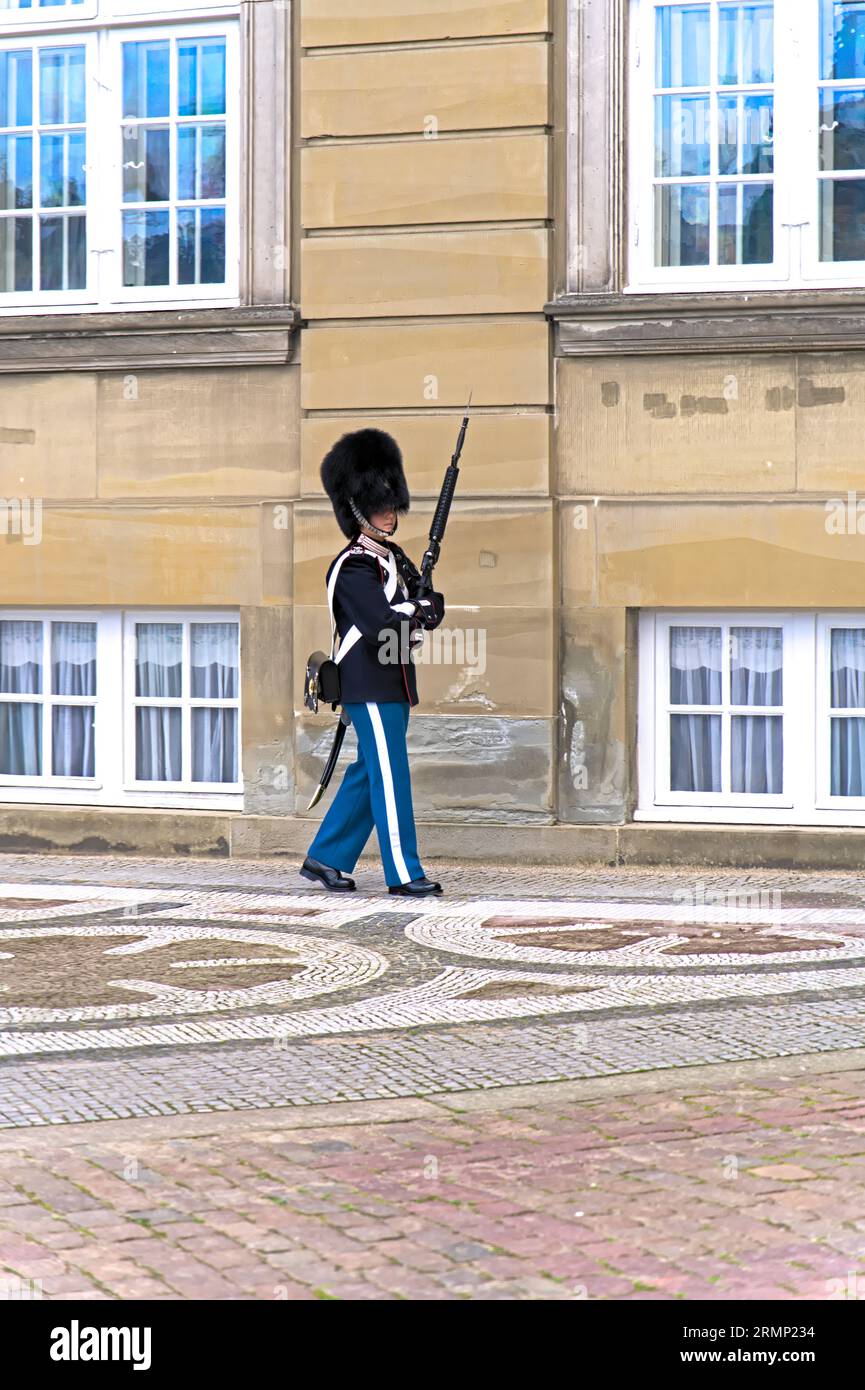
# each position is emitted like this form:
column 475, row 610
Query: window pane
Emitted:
column 16, row 89
column 695, row 666
column 842, row 130
column 842, row 219
column 848, row 757
column 62, row 161
column 61, row 86
column 73, row 658
column 682, row 136
column 16, row 171
column 745, row 129
column 201, row 161
column 146, row 77
column 757, row 666
column 146, row 164
column 847, row 668
column 21, row 658
column 214, row 658
column 157, row 745
column 843, row 39
column 745, row 38
column 16, row 253
column 73, row 746
column 201, row 246
column 201, row 78
column 63, row 253
column 682, row 224
column 159, row 659
column 695, row 752
column 20, row 740
column 758, row 755
column 682, row 46
column 145, row 248
column 214, row 745
column 745, row 224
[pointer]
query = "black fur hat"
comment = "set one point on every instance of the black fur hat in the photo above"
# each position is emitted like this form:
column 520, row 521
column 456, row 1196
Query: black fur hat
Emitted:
column 365, row 467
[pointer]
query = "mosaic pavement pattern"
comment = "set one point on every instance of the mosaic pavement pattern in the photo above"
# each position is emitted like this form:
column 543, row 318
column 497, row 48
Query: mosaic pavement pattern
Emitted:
column 150, row 987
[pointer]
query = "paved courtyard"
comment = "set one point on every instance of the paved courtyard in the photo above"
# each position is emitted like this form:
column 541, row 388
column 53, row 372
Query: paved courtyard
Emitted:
column 217, row 1081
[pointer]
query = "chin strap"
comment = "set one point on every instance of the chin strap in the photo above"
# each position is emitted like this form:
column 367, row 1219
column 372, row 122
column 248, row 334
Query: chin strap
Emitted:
column 362, row 521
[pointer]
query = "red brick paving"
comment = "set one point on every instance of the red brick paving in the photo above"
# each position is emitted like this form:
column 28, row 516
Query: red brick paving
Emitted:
column 750, row 1189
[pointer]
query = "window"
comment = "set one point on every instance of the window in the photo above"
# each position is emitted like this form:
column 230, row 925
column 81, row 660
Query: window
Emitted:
column 747, row 143
column 29, row 12
column 110, row 708
column 752, row 717
column 118, row 161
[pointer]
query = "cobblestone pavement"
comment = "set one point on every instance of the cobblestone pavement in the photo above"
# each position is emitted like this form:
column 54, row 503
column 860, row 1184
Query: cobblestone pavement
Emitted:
column 144, row 987
column 717, row 1185
column 215, row 1081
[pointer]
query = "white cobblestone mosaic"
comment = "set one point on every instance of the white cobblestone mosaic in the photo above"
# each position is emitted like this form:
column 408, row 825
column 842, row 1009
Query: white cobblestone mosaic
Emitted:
column 325, row 966
column 188, row 966
column 487, row 929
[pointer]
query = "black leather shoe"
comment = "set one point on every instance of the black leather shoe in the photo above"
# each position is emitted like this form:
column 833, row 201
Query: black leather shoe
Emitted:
column 418, row 888
column 331, row 879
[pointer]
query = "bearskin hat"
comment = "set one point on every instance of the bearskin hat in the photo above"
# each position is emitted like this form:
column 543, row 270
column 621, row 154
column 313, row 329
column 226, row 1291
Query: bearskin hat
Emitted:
column 365, row 466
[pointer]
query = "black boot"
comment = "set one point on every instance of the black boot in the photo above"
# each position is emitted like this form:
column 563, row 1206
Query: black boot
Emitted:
column 418, row 888
column 331, row 879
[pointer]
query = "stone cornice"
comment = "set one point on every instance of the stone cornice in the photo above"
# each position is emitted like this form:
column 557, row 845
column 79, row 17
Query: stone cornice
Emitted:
column 140, row 339
column 772, row 321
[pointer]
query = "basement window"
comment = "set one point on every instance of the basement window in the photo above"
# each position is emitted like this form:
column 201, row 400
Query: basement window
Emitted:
column 752, row 717
column 110, row 708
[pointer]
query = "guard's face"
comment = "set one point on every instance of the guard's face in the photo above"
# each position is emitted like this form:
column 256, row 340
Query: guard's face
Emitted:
column 385, row 521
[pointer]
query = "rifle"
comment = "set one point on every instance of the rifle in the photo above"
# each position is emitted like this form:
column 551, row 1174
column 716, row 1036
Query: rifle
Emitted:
column 442, row 511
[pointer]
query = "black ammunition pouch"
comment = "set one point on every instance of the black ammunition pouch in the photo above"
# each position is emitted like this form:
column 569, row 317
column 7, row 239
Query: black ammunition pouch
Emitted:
column 321, row 684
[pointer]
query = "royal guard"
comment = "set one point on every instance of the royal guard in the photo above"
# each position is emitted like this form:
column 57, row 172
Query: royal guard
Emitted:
column 380, row 607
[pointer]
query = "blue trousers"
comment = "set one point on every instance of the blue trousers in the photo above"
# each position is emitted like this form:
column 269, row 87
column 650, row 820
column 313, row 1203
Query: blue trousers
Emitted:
column 375, row 791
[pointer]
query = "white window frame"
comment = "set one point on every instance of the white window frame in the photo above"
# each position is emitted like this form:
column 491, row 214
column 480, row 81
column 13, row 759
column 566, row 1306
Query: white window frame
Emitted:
column 37, row 298
column 186, row 702
column 796, row 175
column 114, row 782
column 102, row 35
column 110, row 214
column 807, row 799
column 43, row 15
column 825, row 624
column 106, row 699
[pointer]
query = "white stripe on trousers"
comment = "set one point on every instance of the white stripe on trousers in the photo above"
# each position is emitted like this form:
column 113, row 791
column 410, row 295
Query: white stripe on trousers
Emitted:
column 389, row 793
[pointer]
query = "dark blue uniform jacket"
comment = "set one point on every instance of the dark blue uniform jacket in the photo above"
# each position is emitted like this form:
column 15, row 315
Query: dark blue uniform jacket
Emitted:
column 372, row 589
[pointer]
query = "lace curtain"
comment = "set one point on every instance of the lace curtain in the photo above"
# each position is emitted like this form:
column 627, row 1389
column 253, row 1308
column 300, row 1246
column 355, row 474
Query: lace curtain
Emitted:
column 214, row 674
column 756, row 678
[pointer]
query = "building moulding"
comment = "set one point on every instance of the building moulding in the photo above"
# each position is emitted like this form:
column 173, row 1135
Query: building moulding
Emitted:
column 639, row 324
column 137, row 340
column 119, row 831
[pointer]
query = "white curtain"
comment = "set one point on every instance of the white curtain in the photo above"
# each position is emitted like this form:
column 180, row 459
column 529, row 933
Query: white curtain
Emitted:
column 158, row 729
column 214, row 653
column 158, row 744
column 757, row 678
column 848, row 692
column 214, row 745
column 214, row 657
column 21, row 674
column 73, row 672
column 695, row 679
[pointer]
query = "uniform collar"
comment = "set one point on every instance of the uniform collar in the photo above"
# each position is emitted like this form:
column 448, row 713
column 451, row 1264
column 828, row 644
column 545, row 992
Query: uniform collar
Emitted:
column 374, row 547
